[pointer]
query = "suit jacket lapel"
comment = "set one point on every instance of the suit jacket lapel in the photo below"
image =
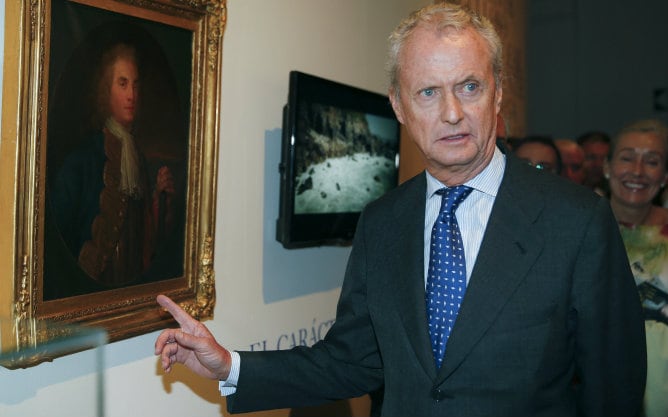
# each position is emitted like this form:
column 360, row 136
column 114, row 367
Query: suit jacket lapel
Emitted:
column 508, row 249
column 409, row 298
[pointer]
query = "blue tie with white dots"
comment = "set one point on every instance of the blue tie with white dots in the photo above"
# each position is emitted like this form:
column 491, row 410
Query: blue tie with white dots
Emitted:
column 446, row 280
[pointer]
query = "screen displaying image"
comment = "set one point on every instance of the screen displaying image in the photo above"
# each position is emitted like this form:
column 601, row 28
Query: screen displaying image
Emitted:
column 347, row 159
column 340, row 151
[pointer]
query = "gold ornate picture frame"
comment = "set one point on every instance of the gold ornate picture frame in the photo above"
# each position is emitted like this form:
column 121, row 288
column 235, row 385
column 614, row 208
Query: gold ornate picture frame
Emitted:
column 70, row 252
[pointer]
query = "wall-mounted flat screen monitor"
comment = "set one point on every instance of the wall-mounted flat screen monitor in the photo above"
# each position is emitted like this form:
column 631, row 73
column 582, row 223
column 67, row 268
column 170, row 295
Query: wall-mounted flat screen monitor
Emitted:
column 340, row 151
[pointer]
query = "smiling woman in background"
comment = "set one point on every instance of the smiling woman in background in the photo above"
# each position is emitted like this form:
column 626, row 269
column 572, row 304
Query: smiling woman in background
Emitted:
column 637, row 171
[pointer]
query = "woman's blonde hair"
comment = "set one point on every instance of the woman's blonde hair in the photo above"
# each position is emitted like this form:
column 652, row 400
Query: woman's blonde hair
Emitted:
column 642, row 126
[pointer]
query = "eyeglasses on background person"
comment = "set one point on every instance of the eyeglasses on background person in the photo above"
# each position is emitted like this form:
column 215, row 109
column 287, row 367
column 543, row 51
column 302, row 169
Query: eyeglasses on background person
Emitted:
column 540, row 152
column 543, row 166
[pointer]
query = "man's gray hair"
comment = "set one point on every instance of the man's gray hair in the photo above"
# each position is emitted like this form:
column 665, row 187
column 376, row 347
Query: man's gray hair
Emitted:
column 443, row 16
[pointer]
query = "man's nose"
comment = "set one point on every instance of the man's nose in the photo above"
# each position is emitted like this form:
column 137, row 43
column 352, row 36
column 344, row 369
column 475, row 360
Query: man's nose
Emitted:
column 451, row 109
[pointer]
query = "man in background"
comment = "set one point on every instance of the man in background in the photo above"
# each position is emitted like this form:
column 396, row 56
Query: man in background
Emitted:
column 572, row 160
column 596, row 146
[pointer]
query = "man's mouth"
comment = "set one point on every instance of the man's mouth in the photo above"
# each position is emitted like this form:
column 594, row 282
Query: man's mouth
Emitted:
column 457, row 136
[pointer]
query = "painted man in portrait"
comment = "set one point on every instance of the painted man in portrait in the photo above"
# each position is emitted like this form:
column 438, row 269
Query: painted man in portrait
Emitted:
column 111, row 213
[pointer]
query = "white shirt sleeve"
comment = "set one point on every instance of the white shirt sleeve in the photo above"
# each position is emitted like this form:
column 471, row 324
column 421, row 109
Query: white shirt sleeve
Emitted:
column 229, row 386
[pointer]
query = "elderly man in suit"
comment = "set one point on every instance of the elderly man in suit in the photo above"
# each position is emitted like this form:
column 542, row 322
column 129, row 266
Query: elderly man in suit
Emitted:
column 548, row 320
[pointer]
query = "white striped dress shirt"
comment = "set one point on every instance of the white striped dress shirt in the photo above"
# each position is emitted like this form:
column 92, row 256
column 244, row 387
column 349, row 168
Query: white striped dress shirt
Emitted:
column 472, row 214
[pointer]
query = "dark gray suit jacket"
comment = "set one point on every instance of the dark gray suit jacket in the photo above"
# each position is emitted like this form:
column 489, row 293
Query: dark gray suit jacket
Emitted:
column 551, row 322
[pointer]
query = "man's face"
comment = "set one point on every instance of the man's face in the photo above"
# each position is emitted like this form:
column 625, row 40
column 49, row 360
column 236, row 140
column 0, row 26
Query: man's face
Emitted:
column 572, row 165
column 124, row 92
column 449, row 101
column 595, row 155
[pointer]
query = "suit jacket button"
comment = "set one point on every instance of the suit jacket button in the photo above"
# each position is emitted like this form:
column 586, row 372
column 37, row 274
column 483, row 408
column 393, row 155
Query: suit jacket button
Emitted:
column 438, row 394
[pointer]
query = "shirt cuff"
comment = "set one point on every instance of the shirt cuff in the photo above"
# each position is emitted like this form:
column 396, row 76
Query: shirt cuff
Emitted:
column 229, row 386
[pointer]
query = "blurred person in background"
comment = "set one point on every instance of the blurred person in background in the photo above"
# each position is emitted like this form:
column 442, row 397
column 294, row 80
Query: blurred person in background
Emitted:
column 540, row 152
column 596, row 146
column 636, row 171
column 572, row 160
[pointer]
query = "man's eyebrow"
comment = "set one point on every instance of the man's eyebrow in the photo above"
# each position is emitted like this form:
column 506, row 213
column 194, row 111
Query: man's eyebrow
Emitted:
column 471, row 78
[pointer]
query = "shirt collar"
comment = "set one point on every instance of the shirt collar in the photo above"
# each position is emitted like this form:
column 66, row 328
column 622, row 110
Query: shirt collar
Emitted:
column 487, row 181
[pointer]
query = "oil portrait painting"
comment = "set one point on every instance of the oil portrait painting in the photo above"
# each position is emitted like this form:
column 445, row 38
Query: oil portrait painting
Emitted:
column 117, row 151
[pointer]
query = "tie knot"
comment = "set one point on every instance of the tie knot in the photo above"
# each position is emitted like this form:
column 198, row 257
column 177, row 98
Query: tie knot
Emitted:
column 451, row 197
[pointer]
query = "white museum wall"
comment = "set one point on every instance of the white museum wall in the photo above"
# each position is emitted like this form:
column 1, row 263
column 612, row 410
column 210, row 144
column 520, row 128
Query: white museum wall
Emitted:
column 342, row 40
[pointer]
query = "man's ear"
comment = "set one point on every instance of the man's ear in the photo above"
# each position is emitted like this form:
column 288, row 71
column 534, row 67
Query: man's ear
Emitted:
column 396, row 105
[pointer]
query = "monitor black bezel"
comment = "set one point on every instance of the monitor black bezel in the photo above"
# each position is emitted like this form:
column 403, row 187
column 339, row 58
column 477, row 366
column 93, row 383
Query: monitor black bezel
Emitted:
column 333, row 229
